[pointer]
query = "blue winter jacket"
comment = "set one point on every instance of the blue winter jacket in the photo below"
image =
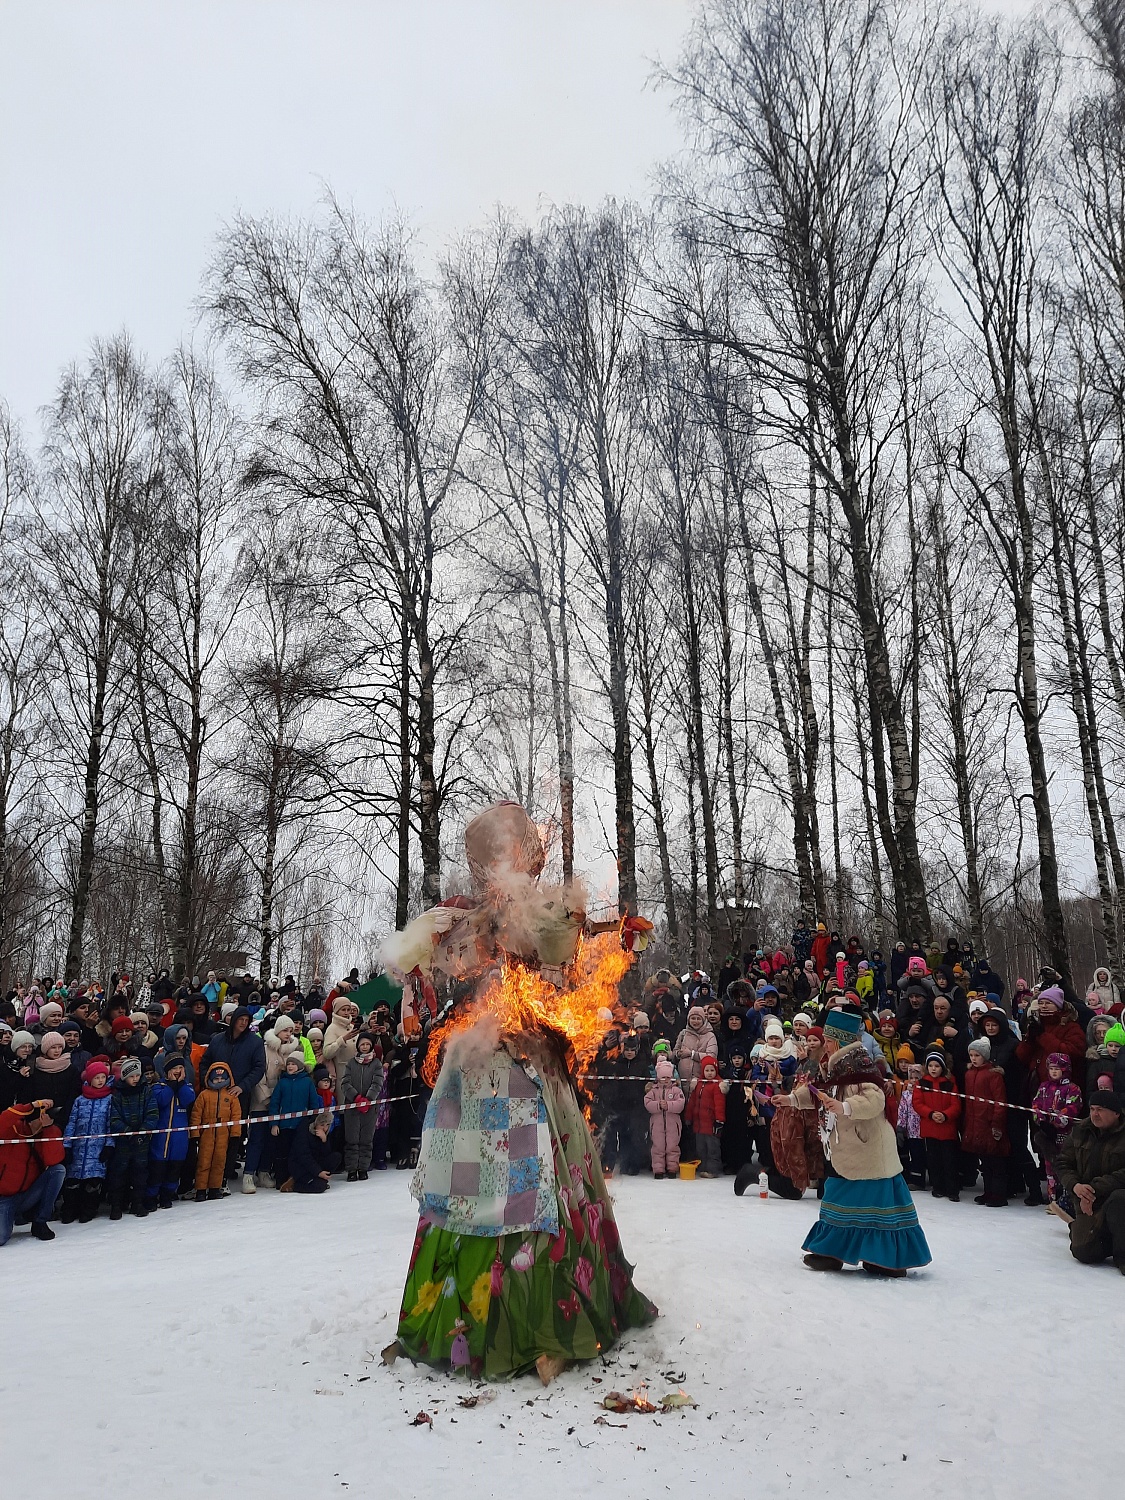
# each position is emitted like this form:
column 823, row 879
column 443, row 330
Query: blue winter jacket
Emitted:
column 173, row 1108
column 292, row 1093
column 132, row 1109
column 88, row 1117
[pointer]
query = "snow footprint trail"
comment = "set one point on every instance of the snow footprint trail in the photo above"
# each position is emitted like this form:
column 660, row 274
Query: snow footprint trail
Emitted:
column 263, row 1327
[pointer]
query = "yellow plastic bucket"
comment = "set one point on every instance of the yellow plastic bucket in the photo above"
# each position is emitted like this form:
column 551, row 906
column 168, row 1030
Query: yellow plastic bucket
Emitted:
column 687, row 1170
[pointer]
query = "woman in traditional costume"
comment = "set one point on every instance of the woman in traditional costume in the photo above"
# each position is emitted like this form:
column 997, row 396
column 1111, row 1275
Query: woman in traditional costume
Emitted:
column 867, row 1215
column 517, row 1263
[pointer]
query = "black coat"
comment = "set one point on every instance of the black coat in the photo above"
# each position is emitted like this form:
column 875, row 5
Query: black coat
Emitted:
column 308, row 1157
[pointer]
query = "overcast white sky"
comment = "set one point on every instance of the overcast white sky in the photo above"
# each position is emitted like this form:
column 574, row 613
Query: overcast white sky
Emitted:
column 129, row 129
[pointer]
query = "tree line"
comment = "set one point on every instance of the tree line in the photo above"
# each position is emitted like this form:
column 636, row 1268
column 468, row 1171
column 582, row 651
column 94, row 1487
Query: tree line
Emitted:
column 769, row 536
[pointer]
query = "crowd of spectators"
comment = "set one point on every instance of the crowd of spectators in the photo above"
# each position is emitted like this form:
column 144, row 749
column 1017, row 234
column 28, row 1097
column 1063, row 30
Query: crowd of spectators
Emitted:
column 131, row 1097
column 134, row 1096
column 1007, row 1095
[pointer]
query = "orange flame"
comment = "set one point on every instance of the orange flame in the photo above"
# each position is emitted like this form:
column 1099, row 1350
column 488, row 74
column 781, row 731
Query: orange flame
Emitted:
column 522, row 1001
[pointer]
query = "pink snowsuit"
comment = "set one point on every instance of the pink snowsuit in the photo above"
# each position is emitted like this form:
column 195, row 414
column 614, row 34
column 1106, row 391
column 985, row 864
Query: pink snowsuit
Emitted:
column 664, row 1101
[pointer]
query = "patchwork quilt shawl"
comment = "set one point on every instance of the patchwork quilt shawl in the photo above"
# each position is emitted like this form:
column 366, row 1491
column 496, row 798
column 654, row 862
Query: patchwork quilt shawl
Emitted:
column 486, row 1166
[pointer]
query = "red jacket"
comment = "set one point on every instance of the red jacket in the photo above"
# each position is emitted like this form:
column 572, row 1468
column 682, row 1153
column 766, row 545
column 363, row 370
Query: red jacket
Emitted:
column 985, row 1097
column 938, row 1094
column 706, row 1104
column 21, row 1164
column 1064, row 1034
column 818, row 952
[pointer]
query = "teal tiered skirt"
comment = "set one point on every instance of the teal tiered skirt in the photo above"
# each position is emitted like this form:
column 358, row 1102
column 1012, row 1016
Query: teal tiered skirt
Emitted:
column 873, row 1219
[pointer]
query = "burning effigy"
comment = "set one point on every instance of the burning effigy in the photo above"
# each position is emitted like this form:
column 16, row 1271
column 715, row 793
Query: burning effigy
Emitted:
column 517, row 1263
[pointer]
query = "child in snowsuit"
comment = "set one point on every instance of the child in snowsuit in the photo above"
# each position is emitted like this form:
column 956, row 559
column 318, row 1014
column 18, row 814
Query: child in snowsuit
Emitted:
column 706, row 1113
column 363, row 1078
column 911, row 1146
column 984, row 1122
column 293, row 1091
column 311, row 1159
column 664, row 1100
column 132, row 1108
column 174, row 1099
column 86, row 1158
column 939, row 1108
column 1057, row 1105
column 216, row 1120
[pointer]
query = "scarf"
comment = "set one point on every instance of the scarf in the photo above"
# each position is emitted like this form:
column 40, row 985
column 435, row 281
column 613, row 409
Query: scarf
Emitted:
column 90, row 1092
column 52, row 1064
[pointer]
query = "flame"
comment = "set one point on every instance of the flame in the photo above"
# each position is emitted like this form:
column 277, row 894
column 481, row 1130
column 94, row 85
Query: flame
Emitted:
column 522, row 1000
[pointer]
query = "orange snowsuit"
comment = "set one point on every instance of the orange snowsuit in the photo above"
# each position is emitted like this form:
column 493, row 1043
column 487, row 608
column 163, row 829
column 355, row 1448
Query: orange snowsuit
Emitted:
column 216, row 1107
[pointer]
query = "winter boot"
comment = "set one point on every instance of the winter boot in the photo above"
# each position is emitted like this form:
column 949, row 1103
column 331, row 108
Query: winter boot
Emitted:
column 248, row 1183
column 823, row 1263
column 363, row 1177
column 167, row 1197
column 201, row 1195
column 217, row 1193
column 743, row 1178
column 71, row 1202
column 116, row 1206
column 41, row 1230
column 91, row 1195
column 353, row 1176
column 140, row 1207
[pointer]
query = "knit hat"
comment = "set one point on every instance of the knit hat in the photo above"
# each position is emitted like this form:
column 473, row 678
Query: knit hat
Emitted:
column 52, row 1039
column 173, row 1060
column 842, row 1026
column 904, row 1054
column 983, row 1046
column 94, row 1070
column 52, row 1011
column 1053, row 996
column 22, row 1039
column 978, row 1007
column 297, row 1056
column 1107, row 1099
column 70, row 1024
column 708, row 1065
column 1061, row 1061
column 663, row 1069
column 131, row 1068
column 660, row 1047
column 283, row 1023
column 1115, row 1033
column 314, row 1033
column 802, row 1015
column 139, row 1018
column 936, row 1053
column 773, row 1027
column 227, row 1009
column 319, row 1016
column 122, row 1026
column 641, row 1021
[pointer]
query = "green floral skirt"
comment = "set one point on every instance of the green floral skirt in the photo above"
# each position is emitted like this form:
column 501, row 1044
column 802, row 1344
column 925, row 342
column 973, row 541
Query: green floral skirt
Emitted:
column 492, row 1305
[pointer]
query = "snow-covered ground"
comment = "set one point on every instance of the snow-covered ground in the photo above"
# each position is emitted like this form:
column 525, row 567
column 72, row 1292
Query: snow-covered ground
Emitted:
column 233, row 1348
